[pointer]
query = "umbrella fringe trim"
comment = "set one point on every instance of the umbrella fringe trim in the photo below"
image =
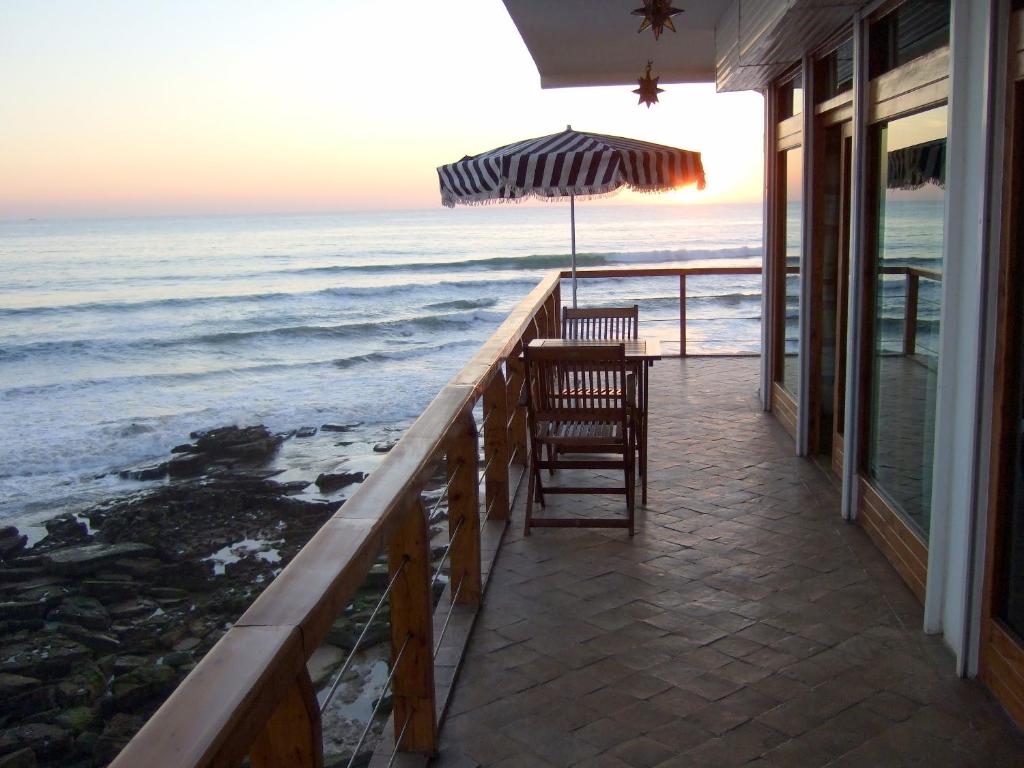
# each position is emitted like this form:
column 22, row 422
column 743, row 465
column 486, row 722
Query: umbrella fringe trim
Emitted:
column 555, row 194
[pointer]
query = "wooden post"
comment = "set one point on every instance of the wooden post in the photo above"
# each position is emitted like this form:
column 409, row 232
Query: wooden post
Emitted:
column 910, row 314
column 412, row 635
column 557, row 294
column 496, row 447
column 682, row 314
column 292, row 735
column 517, row 414
column 462, row 464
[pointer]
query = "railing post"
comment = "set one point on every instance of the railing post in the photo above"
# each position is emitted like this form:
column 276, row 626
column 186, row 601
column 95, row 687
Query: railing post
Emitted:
column 292, row 735
column 517, row 413
column 910, row 314
column 682, row 314
column 496, row 447
column 557, row 296
column 412, row 635
column 462, row 464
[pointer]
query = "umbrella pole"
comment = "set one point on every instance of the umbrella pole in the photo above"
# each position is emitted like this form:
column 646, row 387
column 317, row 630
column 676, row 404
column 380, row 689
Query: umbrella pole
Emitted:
column 572, row 219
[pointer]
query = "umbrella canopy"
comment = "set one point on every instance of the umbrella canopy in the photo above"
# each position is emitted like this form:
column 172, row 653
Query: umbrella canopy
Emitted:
column 567, row 164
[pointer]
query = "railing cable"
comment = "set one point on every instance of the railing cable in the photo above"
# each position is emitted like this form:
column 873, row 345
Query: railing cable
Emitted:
column 398, row 739
column 376, row 707
column 444, row 491
column 447, row 551
column 487, row 466
column 355, row 647
column 451, row 609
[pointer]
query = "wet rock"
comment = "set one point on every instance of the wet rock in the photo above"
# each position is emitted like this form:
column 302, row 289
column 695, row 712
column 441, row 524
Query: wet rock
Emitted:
column 83, row 686
column 133, row 690
column 18, row 611
column 132, row 609
column 189, row 575
column 176, row 659
column 328, row 482
column 322, row 664
column 12, row 685
column 11, row 542
column 109, row 591
column 248, row 443
column 67, row 528
column 293, row 487
column 77, row 561
column 44, row 739
column 32, row 702
column 384, row 446
column 343, row 634
column 305, row 431
column 78, row 719
column 150, row 472
column 23, row 758
column 117, row 733
column 125, row 664
column 86, row 612
column 187, row 465
column 341, row 427
column 13, row 575
column 96, row 641
column 50, row 594
column 45, row 656
column 138, row 567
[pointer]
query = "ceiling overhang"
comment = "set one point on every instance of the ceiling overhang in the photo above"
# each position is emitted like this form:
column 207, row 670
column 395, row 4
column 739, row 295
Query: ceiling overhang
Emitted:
column 736, row 44
column 595, row 42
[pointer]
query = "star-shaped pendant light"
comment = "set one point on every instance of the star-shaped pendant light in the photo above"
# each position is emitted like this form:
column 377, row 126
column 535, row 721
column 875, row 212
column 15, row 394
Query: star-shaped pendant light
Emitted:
column 648, row 90
column 657, row 14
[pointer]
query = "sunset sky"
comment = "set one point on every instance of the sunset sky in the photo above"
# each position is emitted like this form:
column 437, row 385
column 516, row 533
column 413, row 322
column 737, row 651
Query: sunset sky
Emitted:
column 128, row 108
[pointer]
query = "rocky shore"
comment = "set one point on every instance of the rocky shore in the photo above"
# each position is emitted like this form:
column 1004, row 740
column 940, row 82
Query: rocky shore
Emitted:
column 105, row 615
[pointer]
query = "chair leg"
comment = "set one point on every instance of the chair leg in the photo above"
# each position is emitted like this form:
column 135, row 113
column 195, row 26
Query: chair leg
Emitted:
column 529, row 497
column 643, row 461
column 552, row 453
column 629, row 461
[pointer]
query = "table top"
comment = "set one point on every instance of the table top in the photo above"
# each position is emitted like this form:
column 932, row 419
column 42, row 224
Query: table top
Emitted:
column 646, row 349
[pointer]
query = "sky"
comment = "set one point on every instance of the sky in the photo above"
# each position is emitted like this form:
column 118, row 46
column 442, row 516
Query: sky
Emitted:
column 154, row 108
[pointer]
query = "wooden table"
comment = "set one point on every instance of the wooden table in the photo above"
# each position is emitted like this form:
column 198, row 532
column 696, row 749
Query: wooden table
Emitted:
column 640, row 354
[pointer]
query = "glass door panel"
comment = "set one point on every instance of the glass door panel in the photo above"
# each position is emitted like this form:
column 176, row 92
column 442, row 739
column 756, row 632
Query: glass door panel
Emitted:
column 907, row 305
column 792, row 211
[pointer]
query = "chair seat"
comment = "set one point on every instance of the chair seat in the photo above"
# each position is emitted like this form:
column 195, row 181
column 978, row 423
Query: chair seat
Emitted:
column 581, row 432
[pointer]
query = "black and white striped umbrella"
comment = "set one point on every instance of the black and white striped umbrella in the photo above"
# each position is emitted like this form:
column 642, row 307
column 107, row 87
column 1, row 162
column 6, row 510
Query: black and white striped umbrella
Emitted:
column 568, row 164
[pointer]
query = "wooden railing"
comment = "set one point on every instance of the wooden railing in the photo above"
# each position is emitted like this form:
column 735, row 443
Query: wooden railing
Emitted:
column 252, row 695
column 913, row 277
column 681, row 272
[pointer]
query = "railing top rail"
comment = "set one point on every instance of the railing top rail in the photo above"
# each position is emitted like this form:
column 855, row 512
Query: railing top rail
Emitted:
column 659, row 271
column 927, row 274
column 215, row 714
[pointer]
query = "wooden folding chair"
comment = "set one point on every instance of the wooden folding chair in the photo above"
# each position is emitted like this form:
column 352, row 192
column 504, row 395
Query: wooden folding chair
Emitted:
column 612, row 323
column 580, row 400
column 600, row 323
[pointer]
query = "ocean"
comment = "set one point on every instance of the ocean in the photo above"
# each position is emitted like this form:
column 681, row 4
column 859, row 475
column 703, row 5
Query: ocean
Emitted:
column 118, row 337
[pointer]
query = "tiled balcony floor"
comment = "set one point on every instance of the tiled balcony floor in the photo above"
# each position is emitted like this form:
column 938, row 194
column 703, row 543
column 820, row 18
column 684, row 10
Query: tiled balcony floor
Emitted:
column 745, row 624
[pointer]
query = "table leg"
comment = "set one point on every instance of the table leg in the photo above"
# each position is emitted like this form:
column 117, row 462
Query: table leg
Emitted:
column 643, row 436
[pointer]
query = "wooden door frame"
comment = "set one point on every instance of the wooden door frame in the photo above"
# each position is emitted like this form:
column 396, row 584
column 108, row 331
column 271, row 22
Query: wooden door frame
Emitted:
column 788, row 134
column 914, row 87
column 1001, row 651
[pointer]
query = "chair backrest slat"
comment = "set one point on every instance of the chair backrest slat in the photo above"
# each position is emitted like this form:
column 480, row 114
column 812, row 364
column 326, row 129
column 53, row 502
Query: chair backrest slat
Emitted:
column 566, row 383
column 601, row 323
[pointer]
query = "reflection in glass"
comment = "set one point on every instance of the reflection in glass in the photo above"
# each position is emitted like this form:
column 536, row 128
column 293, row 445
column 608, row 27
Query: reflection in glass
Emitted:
column 836, row 72
column 912, row 29
column 793, row 170
column 908, row 303
column 791, row 97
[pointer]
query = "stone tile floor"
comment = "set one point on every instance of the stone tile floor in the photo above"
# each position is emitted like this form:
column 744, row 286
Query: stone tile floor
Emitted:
column 745, row 624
